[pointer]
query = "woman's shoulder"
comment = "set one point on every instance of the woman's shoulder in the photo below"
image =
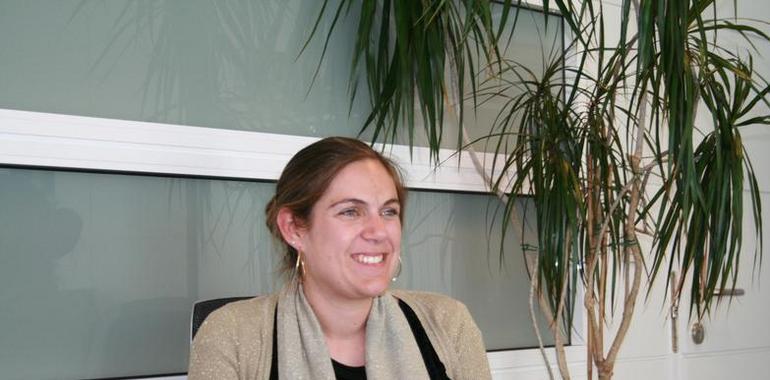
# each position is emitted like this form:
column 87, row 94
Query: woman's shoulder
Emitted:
column 248, row 306
column 242, row 314
column 452, row 332
column 233, row 339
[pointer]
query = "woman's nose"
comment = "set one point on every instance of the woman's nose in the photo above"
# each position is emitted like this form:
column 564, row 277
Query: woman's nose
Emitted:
column 375, row 228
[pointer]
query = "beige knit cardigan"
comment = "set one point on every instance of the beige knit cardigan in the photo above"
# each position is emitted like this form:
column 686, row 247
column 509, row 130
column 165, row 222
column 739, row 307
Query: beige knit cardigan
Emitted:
column 235, row 341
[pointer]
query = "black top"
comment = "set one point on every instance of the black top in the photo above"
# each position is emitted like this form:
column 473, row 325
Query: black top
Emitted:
column 343, row 372
column 436, row 369
column 433, row 364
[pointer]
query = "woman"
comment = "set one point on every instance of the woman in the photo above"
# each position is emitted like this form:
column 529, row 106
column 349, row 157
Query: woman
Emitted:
column 338, row 210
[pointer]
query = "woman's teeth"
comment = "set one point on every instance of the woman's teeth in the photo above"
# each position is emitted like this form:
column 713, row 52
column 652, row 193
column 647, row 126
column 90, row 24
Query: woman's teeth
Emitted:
column 363, row 259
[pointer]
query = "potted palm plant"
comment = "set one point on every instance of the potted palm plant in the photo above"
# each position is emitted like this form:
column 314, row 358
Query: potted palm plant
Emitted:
column 605, row 140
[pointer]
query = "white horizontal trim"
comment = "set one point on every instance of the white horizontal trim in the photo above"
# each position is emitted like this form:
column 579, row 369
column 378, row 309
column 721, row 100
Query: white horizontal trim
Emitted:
column 77, row 142
column 530, row 361
column 528, row 364
column 532, row 358
column 643, row 358
column 532, row 4
column 725, row 352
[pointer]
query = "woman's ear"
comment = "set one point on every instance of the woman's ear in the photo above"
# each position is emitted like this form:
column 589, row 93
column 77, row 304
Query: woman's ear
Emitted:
column 290, row 227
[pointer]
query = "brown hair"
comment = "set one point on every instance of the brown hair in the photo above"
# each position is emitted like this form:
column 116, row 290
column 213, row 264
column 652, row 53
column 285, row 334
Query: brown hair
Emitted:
column 307, row 176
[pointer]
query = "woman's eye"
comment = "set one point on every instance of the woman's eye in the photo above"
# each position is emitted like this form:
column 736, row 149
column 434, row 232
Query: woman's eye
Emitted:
column 390, row 212
column 349, row 212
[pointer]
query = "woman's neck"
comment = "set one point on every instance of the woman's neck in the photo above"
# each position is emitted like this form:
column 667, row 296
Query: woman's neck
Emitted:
column 343, row 322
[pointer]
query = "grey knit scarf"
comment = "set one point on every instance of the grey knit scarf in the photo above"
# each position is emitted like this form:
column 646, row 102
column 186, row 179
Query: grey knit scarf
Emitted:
column 391, row 350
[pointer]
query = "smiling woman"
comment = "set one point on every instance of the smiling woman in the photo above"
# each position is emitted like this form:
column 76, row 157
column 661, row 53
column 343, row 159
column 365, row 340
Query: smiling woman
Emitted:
column 338, row 210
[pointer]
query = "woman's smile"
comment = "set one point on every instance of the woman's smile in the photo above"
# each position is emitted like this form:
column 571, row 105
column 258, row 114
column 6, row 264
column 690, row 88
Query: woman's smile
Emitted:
column 368, row 259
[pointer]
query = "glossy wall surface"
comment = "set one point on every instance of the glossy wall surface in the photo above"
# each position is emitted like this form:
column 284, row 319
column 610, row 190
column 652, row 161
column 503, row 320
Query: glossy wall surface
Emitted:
column 99, row 271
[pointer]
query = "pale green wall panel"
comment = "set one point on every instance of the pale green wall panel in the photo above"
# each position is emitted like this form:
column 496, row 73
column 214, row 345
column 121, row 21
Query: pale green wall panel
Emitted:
column 98, row 272
column 220, row 64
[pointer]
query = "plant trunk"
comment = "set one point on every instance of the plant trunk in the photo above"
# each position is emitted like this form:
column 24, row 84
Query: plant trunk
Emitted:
column 554, row 325
column 606, row 374
column 532, row 291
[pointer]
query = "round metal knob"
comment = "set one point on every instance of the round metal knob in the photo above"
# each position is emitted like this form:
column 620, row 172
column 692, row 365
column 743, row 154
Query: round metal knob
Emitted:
column 697, row 332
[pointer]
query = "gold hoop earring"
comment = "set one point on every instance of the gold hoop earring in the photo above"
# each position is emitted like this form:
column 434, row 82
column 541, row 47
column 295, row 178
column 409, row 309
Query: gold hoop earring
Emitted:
column 299, row 267
column 398, row 272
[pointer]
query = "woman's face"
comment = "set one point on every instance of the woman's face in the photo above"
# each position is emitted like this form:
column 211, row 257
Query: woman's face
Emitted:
column 353, row 241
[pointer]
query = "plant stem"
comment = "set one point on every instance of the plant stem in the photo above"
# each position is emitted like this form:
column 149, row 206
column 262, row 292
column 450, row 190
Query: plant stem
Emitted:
column 533, row 286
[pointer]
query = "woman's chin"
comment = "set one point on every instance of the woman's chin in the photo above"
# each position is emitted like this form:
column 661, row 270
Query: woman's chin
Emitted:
column 375, row 288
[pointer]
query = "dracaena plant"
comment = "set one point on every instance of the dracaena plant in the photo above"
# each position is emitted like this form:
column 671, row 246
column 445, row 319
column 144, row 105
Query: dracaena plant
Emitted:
column 586, row 138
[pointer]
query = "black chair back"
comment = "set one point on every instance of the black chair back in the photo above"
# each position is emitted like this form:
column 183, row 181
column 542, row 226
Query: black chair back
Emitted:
column 202, row 309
